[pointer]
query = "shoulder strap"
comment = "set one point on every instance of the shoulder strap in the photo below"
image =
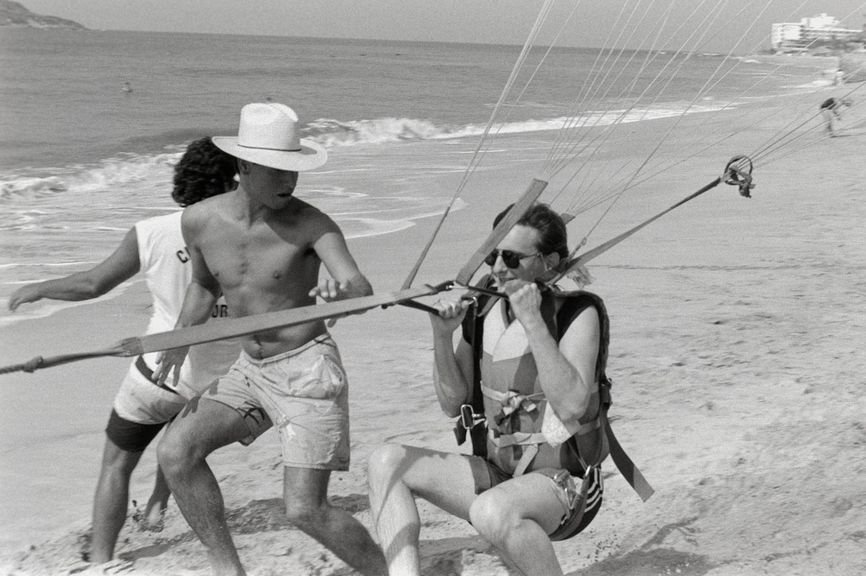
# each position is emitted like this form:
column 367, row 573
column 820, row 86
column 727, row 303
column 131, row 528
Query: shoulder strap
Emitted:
column 473, row 334
column 575, row 303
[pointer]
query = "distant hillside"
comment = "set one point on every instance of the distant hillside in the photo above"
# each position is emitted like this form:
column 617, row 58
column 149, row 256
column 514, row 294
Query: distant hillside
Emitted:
column 13, row 14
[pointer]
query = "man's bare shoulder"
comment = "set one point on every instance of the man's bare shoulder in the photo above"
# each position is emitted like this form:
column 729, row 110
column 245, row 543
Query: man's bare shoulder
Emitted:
column 203, row 215
column 207, row 208
column 311, row 217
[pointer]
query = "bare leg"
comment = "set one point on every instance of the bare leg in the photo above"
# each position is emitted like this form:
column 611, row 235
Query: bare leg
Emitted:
column 202, row 427
column 306, row 494
column 396, row 474
column 829, row 120
column 110, row 500
column 154, row 513
column 516, row 517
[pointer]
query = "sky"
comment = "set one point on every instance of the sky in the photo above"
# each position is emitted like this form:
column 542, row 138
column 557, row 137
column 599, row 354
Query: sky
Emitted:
column 485, row 21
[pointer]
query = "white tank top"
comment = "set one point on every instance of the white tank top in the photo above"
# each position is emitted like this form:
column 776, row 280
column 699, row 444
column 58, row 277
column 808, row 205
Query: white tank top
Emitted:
column 165, row 264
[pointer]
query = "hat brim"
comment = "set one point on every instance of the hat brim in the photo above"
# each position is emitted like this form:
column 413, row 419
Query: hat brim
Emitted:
column 309, row 157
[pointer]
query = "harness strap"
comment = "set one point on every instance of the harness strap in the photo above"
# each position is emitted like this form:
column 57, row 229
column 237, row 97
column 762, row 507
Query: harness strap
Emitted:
column 148, row 373
column 512, row 401
column 588, row 477
column 526, row 459
column 515, row 439
column 624, row 464
column 529, row 440
column 595, row 424
column 577, row 500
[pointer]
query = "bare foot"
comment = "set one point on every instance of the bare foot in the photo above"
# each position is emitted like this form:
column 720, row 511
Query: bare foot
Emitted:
column 84, row 545
column 152, row 520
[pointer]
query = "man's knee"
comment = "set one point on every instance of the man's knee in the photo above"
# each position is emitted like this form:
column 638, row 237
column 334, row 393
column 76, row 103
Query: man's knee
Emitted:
column 385, row 462
column 493, row 518
column 176, row 450
column 201, row 428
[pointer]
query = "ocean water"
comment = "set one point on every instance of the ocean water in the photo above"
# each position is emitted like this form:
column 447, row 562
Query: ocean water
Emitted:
column 81, row 159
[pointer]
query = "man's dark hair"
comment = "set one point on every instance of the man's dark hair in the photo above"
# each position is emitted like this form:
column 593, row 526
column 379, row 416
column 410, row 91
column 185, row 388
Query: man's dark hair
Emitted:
column 203, row 171
column 553, row 235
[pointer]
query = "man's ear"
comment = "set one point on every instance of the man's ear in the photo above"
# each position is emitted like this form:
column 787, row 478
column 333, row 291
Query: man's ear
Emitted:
column 243, row 166
column 551, row 260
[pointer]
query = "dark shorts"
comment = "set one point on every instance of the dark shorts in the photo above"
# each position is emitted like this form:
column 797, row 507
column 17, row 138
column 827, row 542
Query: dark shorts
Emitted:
column 131, row 436
column 487, row 475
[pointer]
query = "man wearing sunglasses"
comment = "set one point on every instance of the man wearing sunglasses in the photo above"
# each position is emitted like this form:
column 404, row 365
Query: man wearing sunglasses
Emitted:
column 537, row 358
column 510, row 259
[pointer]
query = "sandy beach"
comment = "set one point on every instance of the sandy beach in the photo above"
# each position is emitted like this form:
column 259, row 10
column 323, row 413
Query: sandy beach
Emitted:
column 737, row 340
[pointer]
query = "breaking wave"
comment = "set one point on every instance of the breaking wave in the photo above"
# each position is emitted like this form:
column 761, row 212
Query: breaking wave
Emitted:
column 128, row 169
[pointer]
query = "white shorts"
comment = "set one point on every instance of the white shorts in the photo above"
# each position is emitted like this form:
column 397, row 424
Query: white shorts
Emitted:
column 141, row 401
column 304, row 392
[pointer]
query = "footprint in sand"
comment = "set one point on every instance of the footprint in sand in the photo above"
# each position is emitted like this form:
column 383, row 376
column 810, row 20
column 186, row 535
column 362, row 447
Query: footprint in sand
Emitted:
column 107, row 569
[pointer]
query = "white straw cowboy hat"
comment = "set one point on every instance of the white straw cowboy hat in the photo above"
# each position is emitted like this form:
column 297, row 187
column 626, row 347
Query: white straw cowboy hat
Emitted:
column 268, row 135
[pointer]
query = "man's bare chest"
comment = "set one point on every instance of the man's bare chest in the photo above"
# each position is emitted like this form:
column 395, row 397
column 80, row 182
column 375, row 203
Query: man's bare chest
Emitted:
column 261, row 256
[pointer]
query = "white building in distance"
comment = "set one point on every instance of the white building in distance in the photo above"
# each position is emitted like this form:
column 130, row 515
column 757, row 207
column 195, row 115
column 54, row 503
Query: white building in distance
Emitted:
column 805, row 34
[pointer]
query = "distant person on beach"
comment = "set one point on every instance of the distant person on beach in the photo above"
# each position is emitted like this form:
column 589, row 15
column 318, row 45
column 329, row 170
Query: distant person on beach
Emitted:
column 537, row 358
column 142, row 406
column 831, row 110
column 127, row 87
column 263, row 249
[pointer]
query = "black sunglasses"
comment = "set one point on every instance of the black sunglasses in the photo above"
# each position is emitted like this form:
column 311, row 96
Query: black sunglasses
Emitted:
column 511, row 259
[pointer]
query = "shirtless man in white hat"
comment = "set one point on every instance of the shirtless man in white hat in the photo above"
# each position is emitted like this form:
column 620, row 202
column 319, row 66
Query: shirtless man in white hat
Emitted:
column 262, row 248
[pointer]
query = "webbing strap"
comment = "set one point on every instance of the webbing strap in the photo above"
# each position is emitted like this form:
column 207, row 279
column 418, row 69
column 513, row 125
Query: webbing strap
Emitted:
column 511, row 401
column 589, row 427
column 526, row 459
column 624, row 464
column 588, row 477
column 148, row 373
column 509, row 396
column 516, row 439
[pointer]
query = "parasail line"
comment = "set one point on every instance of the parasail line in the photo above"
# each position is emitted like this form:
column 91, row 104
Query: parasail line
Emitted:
column 542, row 15
column 733, row 174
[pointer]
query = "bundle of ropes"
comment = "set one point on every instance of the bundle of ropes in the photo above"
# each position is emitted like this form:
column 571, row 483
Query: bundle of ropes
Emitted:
column 650, row 47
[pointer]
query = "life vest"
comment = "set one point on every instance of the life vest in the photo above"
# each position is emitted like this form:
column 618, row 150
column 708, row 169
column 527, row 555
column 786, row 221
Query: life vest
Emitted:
column 506, row 391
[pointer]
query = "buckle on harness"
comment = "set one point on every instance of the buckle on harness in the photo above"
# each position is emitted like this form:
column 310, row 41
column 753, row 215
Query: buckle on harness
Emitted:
column 467, row 420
